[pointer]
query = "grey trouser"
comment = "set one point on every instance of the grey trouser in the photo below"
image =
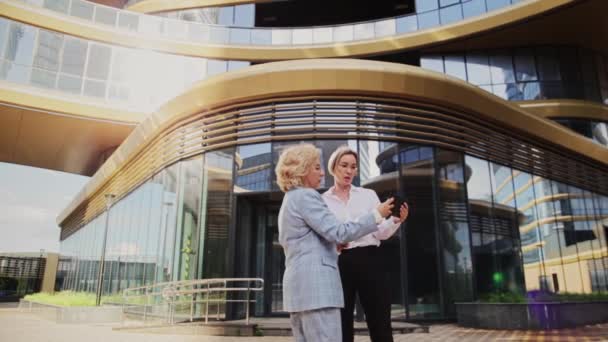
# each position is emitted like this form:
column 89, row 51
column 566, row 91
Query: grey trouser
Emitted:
column 321, row 325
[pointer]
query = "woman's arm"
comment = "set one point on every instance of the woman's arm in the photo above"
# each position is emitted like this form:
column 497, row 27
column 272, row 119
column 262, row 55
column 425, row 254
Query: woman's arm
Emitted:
column 387, row 227
column 317, row 215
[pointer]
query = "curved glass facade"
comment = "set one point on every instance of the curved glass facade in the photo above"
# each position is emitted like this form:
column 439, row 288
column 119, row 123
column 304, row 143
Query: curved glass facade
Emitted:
column 117, row 76
column 476, row 227
column 245, row 35
column 592, row 129
column 531, row 73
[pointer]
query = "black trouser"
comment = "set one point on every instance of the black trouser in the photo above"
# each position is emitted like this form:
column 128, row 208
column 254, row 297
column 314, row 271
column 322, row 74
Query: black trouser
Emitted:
column 363, row 272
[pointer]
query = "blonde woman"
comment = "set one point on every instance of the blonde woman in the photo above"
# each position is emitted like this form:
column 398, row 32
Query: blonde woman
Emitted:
column 309, row 232
column 361, row 266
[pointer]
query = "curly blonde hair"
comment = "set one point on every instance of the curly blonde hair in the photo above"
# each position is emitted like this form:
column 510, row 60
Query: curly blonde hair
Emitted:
column 294, row 163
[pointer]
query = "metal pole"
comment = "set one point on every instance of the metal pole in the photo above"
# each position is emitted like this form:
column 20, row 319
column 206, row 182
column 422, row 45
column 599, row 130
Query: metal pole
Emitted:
column 247, row 305
column 109, row 198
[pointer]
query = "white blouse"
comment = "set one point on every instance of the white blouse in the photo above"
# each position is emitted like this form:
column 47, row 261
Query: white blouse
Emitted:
column 360, row 202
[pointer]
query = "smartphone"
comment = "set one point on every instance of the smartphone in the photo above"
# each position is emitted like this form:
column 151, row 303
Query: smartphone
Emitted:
column 399, row 200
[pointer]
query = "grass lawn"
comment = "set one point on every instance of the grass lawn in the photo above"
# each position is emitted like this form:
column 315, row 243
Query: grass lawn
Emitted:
column 64, row 298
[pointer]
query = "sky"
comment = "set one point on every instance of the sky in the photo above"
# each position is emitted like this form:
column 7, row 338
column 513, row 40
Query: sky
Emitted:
column 30, row 201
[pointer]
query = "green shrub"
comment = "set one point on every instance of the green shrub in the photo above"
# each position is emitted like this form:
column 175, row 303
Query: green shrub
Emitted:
column 502, row 297
column 541, row 296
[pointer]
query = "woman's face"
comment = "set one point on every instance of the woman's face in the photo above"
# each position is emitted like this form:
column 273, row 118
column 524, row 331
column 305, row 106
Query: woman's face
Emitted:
column 345, row 170
column 314, row 176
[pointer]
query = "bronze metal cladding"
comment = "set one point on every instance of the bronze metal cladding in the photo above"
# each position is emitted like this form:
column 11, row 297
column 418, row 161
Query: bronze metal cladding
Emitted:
column 574, row 109
column 340, row 99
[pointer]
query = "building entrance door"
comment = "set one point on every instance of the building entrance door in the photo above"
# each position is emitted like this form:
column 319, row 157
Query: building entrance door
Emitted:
column 257, row 222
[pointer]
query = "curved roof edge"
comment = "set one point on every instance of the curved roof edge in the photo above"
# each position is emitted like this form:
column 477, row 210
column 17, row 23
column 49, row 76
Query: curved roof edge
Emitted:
column 566, row 109
column 327, row 76
column 33, row 98
column 43, row 18
column 156, row 6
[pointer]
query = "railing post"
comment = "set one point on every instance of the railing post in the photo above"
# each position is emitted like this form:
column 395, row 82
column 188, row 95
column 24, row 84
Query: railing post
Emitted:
column 146, row 304
column 247, row 304
column 192, row 306
column 207, row 306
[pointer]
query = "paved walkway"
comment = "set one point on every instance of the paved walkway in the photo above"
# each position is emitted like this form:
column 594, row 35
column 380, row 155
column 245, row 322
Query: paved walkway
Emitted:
column 17, row 326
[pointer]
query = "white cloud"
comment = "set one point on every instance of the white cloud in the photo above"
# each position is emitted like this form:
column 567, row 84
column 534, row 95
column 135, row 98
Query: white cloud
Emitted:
column 24, row 214
column 7, row 196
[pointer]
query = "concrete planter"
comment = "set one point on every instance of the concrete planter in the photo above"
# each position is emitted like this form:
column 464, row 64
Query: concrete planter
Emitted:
column 534, row 316
column 74, row 314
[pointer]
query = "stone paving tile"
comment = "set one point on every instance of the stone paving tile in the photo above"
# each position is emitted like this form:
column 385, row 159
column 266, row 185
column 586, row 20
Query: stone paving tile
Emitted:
column 17, row 326
column 451, row 332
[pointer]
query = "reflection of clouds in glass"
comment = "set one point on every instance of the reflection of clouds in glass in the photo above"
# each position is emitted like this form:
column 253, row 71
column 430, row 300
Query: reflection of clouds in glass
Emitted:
column 478, row 185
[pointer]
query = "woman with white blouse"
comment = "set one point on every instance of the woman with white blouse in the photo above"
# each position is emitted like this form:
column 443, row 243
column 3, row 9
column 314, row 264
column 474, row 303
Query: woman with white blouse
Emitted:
column 308, row 233
column 360, row 262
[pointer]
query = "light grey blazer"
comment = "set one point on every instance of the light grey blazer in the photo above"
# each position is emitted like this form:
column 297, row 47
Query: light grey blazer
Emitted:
column 309, row 232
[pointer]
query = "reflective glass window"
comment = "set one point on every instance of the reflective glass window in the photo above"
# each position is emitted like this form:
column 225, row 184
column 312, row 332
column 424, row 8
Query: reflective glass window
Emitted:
column 407, row 24
column 478, row 70
column 281, row 37
column 364, row 31
column 105, row 15
column 215, row 67
column 199, row 33
column 501, row 67
column 473, row 8
column 322, row 35
column 444, row 3
column 454, row 66
column 385, row 28
column 571, row 73
column 261, row 37
column 496, row 4
column 150, row 24
column 226, row 16
column 20, row 44
column 454, row 227
column 176, row 29
column 94, row 88
column 128, row 21
column 244, row 15
column 69, row 84
column 548, row 64
column 434, row 63
column 343, row 33
column 74, row 56
column 254, row 171
column 551, row 90
column 426, row 5
column 529, row 90
column 48, row 50
column 99, row 61
column 57, row 5
column 450, row 14
column 600, row 132
column 240, row 36
column 82, row 9
column 428, row 20
column 236, row 65
column 43, row 78
column 302, row 36
column 525, row 66
column 219, row 35
column 4, row 24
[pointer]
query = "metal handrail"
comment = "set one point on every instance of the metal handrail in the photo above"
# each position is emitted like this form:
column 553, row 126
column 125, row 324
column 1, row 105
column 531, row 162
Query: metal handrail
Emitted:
column 198, row 291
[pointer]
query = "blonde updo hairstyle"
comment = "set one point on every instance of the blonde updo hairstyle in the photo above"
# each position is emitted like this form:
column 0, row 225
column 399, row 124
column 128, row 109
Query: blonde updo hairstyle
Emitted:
column 335, row 157
column 294, row 163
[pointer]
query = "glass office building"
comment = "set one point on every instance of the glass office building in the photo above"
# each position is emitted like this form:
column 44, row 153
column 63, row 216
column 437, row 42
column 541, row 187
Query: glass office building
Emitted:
column 498, row 140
